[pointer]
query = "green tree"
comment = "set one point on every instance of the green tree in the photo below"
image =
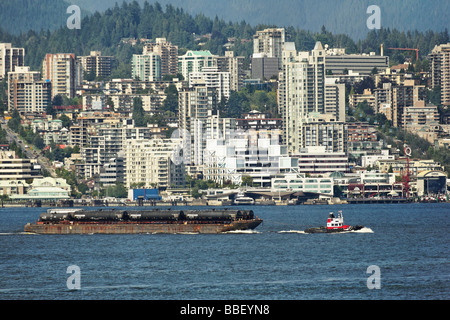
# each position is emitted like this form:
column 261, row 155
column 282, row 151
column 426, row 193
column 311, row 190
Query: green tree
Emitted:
column 171, row 101
column 247, row 181
column 66, row 122
column 139, row 117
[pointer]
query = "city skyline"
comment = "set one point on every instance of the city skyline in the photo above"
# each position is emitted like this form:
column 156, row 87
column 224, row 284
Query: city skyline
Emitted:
column 122, row 112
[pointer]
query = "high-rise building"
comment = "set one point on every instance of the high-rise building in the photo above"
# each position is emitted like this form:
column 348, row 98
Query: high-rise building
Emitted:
column 335, row 98
column 392, row 100
column 152, row 163
column 264, row 67
column 146, row 67
column 440, row 71
column 96, row 64
column 168, row 53
column 301, row 90
column 322, row 130
column 269, row 42
column 211, row 77
column 10, row 58
column 234, row 65
column 195, row 105
column 27, row 92
column 63, row 70
column 194, row 61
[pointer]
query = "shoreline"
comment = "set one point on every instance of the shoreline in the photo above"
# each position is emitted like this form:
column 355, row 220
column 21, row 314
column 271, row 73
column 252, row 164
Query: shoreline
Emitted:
column 206, row 203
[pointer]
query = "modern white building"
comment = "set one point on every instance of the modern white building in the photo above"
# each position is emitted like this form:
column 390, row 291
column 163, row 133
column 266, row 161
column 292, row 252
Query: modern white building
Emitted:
column 232, row 159
column 317, row 161
column 12, row 168
column 370, row 160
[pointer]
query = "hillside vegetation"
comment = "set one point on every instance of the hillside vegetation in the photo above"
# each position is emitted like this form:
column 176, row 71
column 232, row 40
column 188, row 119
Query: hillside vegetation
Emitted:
column 105, row 31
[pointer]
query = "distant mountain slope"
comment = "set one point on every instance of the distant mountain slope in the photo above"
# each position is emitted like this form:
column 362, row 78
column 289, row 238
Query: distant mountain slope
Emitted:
column 20, row 16
column 107, row 31
column 342, row 16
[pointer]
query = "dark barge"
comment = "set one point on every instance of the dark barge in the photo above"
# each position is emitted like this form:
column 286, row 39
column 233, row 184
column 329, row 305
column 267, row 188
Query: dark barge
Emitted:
column 113, row 221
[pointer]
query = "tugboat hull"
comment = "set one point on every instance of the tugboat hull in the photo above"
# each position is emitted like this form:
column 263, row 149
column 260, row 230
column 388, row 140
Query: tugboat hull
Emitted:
column 326, row 230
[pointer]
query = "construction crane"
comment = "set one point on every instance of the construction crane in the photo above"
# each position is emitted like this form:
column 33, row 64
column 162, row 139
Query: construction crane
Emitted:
column 409, row 49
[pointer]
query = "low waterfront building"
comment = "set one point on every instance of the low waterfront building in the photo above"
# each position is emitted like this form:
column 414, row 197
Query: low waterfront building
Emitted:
column 370, row 160
column 398, row 166
column 317, row 161
column 47, row 188
column 12, row 168
column 431, row 183
column 301, row 183
column 13, row 187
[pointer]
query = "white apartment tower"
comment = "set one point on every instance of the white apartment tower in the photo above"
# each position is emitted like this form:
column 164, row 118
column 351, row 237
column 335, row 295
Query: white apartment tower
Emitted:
column 301, row 90
column 440, row 71
column 211, row 77
column 64, row 71
column 27, row 92
column 269, row 42
column 153, row 162
column 10, row 58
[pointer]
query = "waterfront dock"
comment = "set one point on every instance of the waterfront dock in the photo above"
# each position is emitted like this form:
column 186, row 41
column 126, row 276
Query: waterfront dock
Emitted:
column 379, row 200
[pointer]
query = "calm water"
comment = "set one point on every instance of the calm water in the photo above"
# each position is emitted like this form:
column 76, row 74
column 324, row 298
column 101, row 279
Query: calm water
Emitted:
column 408, row 242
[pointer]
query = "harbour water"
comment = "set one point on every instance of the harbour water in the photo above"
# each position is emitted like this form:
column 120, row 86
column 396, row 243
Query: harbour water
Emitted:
column 407, row 243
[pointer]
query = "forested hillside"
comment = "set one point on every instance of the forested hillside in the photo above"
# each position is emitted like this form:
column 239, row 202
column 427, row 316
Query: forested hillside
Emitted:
column 104, row 31
column 343, row 16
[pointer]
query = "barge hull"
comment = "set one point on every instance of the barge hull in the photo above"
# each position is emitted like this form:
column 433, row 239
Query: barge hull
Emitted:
column 139, row 228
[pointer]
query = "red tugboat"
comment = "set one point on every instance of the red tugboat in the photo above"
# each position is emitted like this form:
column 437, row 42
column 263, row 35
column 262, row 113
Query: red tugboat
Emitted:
column 334, row 225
